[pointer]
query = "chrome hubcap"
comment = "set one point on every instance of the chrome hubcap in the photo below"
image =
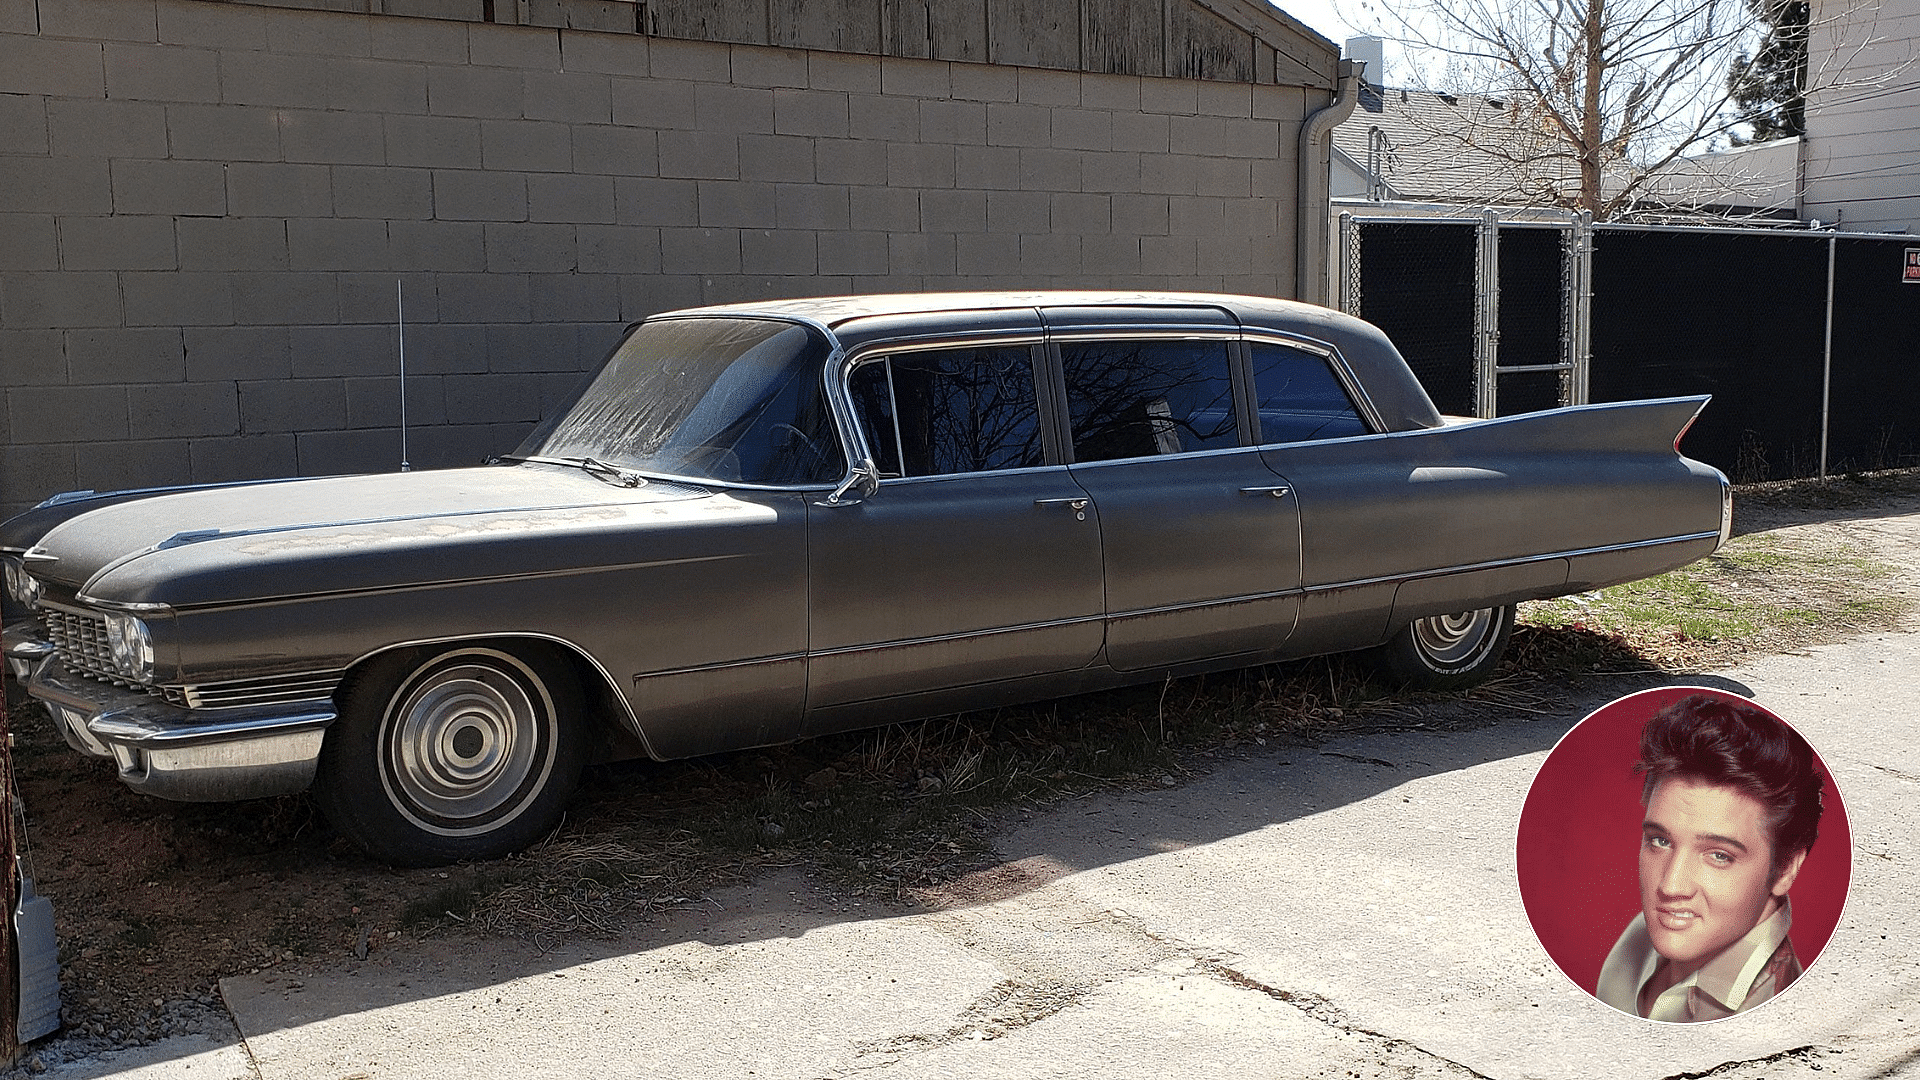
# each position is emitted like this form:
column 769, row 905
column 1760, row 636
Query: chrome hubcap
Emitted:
column 1450, row 639
column 463, row 743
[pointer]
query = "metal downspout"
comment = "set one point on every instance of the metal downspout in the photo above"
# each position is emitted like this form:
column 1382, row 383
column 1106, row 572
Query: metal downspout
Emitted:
column 1310, row 225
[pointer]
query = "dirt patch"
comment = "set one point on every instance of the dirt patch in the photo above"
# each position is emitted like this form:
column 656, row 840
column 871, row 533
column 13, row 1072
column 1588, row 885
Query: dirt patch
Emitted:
column 156, row 901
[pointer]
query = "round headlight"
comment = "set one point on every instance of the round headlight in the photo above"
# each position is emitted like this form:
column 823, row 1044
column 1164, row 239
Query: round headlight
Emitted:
column 131, row 646
column 21, row 585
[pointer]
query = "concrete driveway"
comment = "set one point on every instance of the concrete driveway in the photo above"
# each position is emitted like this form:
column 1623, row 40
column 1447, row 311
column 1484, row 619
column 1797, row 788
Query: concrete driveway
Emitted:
column 1346, row 911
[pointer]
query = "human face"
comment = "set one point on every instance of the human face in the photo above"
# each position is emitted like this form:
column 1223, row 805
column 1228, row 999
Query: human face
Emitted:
column 1706, row 871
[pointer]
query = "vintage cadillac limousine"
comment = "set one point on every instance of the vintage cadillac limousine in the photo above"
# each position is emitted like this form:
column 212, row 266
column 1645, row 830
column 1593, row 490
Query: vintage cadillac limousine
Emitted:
column 763, row 522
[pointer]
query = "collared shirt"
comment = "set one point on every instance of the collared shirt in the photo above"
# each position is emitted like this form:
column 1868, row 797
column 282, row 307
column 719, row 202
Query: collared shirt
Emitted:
column 1746, row 973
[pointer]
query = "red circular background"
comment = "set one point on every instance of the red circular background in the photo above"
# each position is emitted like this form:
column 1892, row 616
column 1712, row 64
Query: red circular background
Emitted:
column 1578, row 849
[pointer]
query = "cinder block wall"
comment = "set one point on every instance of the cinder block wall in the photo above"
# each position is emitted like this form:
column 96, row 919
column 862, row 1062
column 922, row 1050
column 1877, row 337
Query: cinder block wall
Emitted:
column 205, row 209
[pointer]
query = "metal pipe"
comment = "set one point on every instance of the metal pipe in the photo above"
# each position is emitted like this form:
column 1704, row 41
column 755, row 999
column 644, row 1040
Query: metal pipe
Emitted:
column 1312, row 189
column 1826, row 365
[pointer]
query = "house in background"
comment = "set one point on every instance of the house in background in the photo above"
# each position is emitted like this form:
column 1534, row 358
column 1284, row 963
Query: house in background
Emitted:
column 1860, row 160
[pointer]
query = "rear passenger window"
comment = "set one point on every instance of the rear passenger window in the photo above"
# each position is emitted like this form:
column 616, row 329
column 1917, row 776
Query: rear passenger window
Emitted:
column 1299, row 398
column 950, row 411
column 1142, row 398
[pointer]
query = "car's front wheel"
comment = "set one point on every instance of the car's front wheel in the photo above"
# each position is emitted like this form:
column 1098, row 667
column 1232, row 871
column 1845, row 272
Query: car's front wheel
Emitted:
column 469, row 752
column 1443, row 652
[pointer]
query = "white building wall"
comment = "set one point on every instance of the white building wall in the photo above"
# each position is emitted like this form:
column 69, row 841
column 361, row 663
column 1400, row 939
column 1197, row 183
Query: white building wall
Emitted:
column 1862, row 150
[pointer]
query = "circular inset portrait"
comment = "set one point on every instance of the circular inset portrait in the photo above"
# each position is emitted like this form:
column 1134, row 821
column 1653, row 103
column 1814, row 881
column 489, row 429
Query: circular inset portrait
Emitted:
column 1683, row 854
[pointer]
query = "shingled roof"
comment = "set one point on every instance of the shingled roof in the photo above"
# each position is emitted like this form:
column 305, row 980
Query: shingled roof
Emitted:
column 1424, row 146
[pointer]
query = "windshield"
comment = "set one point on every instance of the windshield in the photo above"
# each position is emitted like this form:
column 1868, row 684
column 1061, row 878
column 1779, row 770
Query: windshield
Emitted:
column 736, row 400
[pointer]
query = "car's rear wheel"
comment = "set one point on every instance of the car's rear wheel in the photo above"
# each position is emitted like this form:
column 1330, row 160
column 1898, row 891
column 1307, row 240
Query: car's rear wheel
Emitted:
column 1446, row 651
column 469, row 752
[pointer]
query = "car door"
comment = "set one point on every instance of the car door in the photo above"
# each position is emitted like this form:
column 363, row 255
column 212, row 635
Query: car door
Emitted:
column 974, row 562
column 1200, row 540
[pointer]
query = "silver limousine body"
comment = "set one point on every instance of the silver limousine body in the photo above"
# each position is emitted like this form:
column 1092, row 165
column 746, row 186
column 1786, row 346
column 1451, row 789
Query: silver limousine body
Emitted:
column 763, row 522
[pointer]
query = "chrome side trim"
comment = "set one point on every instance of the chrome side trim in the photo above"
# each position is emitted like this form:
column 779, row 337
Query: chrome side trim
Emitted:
column 130, row 607
column 1518, row 561
column 727, row 665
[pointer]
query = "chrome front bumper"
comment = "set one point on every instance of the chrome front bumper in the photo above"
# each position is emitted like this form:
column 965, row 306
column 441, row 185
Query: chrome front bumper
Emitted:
column 25, row 645
column 192, row 755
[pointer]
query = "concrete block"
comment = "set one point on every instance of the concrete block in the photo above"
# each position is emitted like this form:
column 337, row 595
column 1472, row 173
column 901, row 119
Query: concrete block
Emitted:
column 384, row 193
column 1019, row 124
column 1082, row 215
column 525, row 248
column 1051, row 255
column 849, row 161
column 223, row 132
column 759, row 65
column 853, row 252
column 369, row 298
column 810, row 112
column 778, row 251
column 377, row 86
column 434, row 142
column 1287, row 104
column 1164, row 174
column 1170, row 255
column 430, row 41
column 365, row 450
column 1146, row 133
column 30, row 473
column 957, row 122
column 618, row 249
column 1191, row 215
column 989, row 168
column 920, row 166
column 983, row 82
column 113, row 20
column 183, row 410
column 1113, row 173
column 211, row 244
column 104, row 128
column 784, row 159
column 1224, row 177
column 284, row 405
column 844, row 72
column 67, row 414
column 810, row 206
column 702, row 155
column 56, row 185
column 921, row 253
column 34, row 357
column 1110, row 254
column 977, row 254
column 1114, row 93
column 492, row 45
column 28, row 242
column 558, row 198
column 176, row 298
column 227, row 353
column 735, row 109
column 1259, row 138
column 642, row 295
column 121, row 466
column 700, row 251
column 640, row 200
column 888, row 209
column 319, row 33
column 571, row 96
column 608, row 54
column 615, row 151
column 374, row 402
column 882, row 118
column 953, row 211
column 23, row 124
column 1255, row 217
column 906, row 77
column 274, row 79
column 437, row 245
column 222, row 26
column 1175, row 97
column 653, row 103
column 694, row 61
column 109, row 356
column 121, row 242
column 479, row 196
column 285, row 299
column 525, row 146
column 347, row 138
column 37, row 65
column 332, row 352
column 562, row 300
column 1224, row 98
column 484, row 298
column 1039, row 86
column 1019, row 212
column 162, row 73
column 737, row 205
column 244, row 457
column 438, row 349
column 1049, row 170
column 68, row 299
column 1141, row 215
column 1082, row 129
column 499, row 397
column 336, row 244
column 475, row 91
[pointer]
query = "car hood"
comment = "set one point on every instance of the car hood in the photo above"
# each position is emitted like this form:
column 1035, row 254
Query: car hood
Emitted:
column 295, row 537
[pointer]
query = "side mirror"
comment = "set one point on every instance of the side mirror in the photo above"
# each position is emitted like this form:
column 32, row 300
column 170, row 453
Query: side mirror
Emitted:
column 865, row 475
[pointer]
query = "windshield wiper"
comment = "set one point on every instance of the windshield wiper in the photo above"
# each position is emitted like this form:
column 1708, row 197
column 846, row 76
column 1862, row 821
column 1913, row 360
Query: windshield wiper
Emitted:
column 592, row 466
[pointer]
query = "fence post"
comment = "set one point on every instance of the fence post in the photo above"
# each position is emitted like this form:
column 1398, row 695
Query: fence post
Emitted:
column 1580, row 309
column 1348, row 297
column 10, row 898
column 1826, row 363
column 1486, row 317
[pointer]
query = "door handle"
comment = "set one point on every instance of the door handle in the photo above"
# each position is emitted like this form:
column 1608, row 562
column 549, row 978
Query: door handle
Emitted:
column 1278, row 491
column 1077, row 505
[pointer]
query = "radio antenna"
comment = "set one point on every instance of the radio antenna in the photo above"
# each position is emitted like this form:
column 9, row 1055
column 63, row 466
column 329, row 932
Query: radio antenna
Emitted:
column 400, row 305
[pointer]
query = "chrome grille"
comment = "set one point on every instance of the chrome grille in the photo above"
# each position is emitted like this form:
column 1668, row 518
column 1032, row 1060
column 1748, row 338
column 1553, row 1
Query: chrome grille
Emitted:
column 270, row 690
column 81, row 638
